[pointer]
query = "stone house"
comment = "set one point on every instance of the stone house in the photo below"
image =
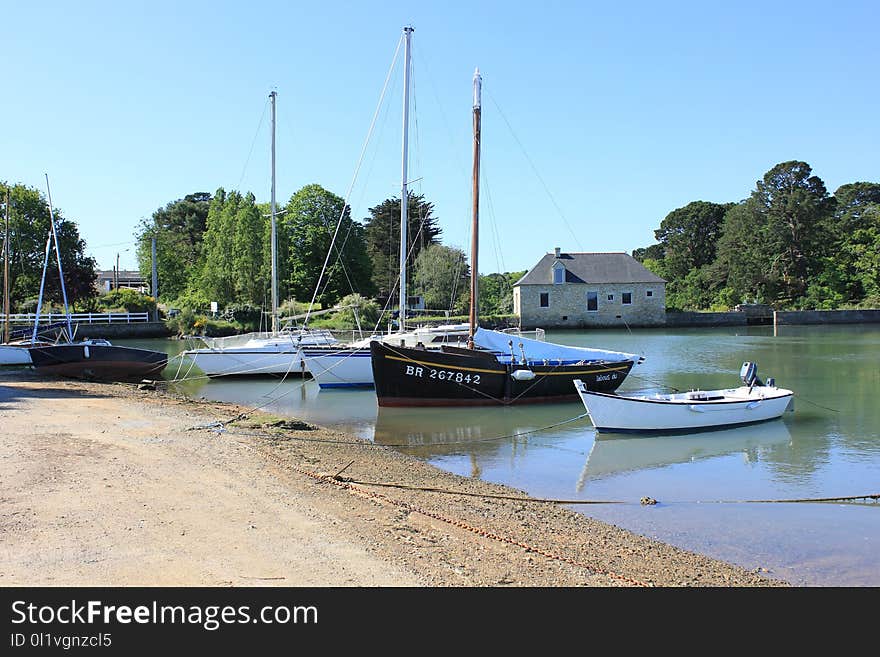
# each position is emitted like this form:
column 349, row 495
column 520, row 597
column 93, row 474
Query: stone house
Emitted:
column 583, row 290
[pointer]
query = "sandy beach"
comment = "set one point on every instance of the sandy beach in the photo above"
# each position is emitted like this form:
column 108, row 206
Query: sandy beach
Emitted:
column 108, row 484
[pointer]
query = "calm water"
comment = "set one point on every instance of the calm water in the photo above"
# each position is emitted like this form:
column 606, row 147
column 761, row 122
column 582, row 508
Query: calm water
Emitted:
column 706, row 485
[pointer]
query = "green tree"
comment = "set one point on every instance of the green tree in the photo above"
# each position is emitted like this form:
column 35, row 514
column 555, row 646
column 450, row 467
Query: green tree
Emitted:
column 496, row 292
column 217, row 278
column 688, row 236
column 29, row 229
column 776, row 241
column 854, row 230
column 383, row 238
column 442, row 276
column 306, row 232
column 248, row 253
column 795, row 206
column 179, row 229
column 653, row 252
column 746, row 263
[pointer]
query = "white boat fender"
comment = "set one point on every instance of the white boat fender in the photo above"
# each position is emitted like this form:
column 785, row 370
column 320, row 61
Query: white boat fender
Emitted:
column 522, row 375
column 86, row 351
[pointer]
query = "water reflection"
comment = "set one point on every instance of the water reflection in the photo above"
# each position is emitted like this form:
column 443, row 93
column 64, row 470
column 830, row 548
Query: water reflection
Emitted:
column 613, row 454
column 431, row 432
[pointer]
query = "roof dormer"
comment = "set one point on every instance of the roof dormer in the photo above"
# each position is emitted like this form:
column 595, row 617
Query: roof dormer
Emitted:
column 558, row 273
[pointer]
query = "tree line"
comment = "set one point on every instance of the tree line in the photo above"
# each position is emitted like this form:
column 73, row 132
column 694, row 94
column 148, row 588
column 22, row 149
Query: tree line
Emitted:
column 217, row 247
column 790, row 244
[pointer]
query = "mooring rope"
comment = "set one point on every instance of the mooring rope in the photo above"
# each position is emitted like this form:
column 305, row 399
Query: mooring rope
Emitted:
column 221, row 427
column 412, row 508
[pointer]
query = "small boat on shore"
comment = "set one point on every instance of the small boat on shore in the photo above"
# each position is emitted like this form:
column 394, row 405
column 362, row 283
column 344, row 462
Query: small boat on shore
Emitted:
column 682, row 412
column 98, row 360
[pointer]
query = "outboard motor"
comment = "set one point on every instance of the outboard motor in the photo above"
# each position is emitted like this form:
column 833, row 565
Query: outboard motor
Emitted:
column 749, row 375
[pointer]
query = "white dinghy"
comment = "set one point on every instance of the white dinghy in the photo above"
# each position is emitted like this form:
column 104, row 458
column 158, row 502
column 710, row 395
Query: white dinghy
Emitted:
column 697, row 410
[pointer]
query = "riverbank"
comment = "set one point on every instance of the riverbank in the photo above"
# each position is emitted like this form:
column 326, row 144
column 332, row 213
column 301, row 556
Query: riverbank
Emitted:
column 112, row 485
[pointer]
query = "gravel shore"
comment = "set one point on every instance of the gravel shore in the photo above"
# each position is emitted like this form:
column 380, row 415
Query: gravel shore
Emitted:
column 115, row 485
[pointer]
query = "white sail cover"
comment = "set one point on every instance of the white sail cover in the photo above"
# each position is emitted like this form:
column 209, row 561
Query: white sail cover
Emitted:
column 536, row 350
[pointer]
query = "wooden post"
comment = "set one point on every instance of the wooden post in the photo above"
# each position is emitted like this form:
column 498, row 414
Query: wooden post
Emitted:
column 775, row 322
column 6, row 273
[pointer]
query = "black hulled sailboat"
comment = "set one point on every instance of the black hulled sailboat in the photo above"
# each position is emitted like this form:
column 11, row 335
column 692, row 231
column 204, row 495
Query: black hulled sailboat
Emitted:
column 490, row 369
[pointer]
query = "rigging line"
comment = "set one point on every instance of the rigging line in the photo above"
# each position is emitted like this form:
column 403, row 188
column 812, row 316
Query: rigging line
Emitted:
column 535, row 170
column 871, row 496
column 354, row 177
column 656, row 383
column 833, row 410
column 253, row 143
column 499, row 258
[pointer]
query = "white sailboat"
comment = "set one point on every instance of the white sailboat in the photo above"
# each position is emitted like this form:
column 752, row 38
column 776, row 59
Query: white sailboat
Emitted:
column 261, row 353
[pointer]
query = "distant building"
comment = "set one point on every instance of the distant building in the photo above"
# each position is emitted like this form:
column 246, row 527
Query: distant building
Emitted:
column 108, row 280
column 581, row 290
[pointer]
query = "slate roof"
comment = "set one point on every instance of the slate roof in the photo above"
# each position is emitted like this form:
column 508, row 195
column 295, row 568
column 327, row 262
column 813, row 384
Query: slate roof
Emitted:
column 593, row 268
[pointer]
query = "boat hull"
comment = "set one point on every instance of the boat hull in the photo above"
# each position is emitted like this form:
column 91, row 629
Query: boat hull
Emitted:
column 257, row 354
column 460, row 377
column 340, row 368
column 248, row 362
column 102, row 362
column 351, row 366
column 685, row 412
column 14, row 355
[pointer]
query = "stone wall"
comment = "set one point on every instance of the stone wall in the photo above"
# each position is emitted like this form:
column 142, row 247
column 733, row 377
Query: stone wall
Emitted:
column 568, row 305
column 828, row 317
column 687, row 319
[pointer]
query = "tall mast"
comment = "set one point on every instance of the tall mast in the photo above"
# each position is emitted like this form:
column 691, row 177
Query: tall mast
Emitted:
column 475, row 233
column 407, row 33
column 273, row 246
column 58, row 259
column 6, row 273
column 53, row 236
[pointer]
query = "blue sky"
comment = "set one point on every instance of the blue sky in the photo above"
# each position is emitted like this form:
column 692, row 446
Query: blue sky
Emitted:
column 598, row 120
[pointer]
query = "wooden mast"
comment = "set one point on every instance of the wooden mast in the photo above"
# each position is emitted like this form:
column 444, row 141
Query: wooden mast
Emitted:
column 475, row 232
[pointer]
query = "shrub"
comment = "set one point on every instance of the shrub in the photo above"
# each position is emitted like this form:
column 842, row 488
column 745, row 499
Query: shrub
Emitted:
column 367, row 312
column 194, row 300
column 127, row 300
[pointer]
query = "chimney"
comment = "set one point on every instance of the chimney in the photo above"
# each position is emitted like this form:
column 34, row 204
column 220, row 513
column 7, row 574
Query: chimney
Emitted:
column 557, row 251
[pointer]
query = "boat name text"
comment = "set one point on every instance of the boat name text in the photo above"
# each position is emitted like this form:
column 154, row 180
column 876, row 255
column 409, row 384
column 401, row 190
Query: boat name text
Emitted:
column 443, row 375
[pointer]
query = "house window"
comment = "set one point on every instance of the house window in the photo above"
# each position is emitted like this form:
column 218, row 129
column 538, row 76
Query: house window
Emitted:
column 611, row 297
column 545, row 299
column 649, row 293
column 558, row 275
column 626, row 298
column 592, row 301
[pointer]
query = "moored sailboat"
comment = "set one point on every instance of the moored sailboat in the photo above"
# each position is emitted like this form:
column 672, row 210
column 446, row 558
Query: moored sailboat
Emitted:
column 490, row 369
column 275, row 353
column 95, row 359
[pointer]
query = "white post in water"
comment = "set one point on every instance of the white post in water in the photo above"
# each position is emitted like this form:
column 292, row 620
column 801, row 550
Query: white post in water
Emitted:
column 273, row 247
column 407, row 33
